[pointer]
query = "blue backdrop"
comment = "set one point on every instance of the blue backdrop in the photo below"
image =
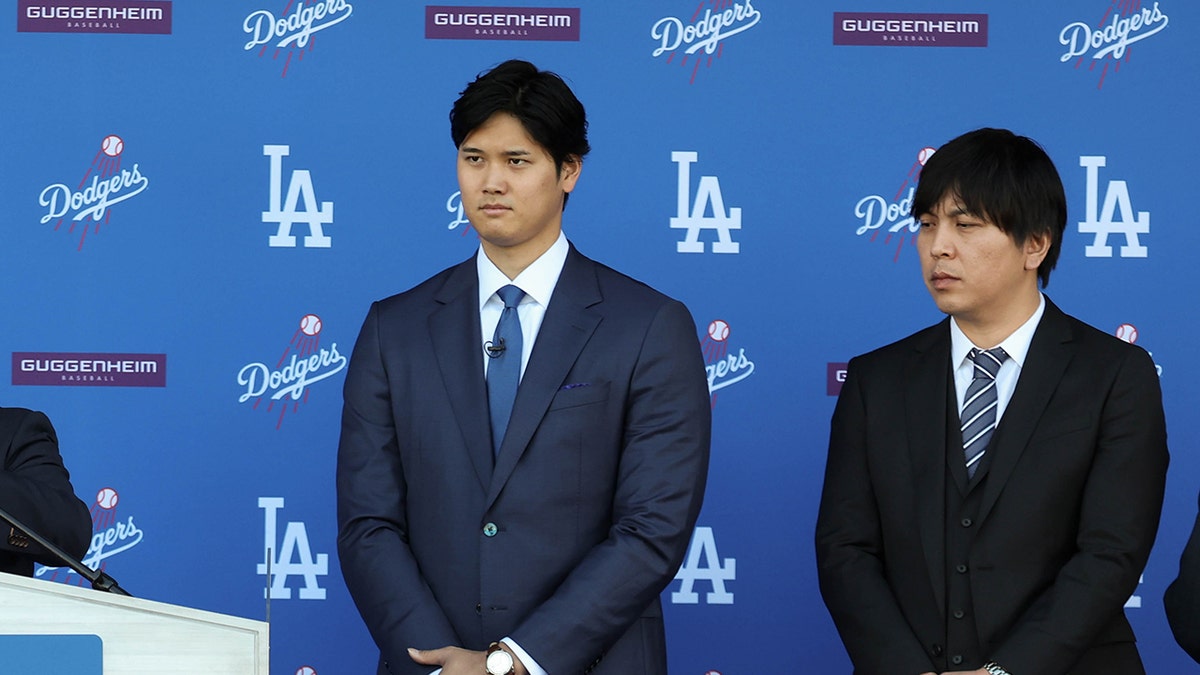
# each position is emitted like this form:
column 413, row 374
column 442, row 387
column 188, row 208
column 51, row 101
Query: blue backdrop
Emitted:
column 752, row 158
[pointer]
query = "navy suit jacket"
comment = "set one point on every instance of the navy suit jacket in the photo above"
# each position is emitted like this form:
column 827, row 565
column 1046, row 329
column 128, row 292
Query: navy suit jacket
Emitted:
column 1069, row 512
column 35, row 488
column 566, row 542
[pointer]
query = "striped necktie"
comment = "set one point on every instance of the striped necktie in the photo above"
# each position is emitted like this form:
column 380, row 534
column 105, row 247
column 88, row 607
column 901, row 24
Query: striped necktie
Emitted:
column 978, row 415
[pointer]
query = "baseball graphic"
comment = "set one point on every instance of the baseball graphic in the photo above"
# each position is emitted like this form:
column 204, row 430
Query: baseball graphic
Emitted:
column 718, row 330
column 310, row 324
column 924, row 155
column 107, row 498
column 1127, row 332
column 112, row 145
column 306, row 670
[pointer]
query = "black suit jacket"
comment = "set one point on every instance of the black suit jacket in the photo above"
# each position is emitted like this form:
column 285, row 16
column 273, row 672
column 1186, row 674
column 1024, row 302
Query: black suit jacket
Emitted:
column 566, row 542
column 1182, row 599
column 35, row 488
column 1069, row 511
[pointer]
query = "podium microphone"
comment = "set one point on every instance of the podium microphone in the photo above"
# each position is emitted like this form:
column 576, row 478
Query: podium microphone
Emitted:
column 100, row 580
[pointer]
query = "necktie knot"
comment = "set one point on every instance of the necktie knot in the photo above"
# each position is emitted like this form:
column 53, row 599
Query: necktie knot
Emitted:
column 988, row 362
column 511, row 296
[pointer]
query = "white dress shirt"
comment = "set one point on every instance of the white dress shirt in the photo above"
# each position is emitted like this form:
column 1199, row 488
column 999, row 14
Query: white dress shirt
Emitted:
column 1015, row 345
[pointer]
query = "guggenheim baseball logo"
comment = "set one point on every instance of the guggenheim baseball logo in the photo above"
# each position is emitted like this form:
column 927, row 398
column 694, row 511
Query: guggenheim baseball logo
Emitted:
column 891, row 213
column 285, row 382
column 502, row 23
column 890, row 29
column 94, row 16
column 1108, row 40
column 700, row 37
column 88, row 203
column 111, row 535
column 293, row 31
column 84, row 369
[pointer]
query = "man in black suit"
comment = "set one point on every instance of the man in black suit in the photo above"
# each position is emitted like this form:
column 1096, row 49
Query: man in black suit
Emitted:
column 994, row 482
column 1182, row 599
column 35, row 489
column 475, row 539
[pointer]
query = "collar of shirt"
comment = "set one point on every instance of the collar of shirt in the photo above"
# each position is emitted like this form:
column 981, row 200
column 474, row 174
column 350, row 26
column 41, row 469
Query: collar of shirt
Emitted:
column 1015, row 345
column 538, row 280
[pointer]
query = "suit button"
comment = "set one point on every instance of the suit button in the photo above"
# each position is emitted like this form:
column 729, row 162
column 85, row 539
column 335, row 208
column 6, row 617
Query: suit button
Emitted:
column 490, row 530
column 478, row 608
column 958, row 614
column 961, row 569
column 966, row 522
column 936, row 649
column 956, row 660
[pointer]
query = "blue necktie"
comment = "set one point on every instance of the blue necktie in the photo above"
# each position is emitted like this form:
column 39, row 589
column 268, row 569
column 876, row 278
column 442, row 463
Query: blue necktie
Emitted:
column 504, row 369
column 978, row 415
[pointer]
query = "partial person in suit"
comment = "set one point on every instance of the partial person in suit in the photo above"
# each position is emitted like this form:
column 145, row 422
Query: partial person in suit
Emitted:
column 478, row 540
column 1182, row 599
column 994, row 482
column 35, row 489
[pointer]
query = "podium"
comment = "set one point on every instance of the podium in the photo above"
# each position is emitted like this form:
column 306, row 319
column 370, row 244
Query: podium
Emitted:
column 139, row 637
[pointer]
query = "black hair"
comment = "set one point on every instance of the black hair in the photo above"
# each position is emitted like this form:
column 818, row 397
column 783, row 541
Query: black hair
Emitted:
column 1005, row 178
column 540, row 100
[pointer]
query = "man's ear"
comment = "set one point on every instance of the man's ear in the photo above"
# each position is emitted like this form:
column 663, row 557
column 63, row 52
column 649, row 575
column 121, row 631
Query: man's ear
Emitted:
column 1036, row 247
column 572, row 166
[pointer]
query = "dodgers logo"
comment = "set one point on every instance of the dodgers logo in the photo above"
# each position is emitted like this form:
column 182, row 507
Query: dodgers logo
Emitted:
column 293, row 32
column 703, row 33
column 1114, row 217
column 892, row 214
column 111, row 536
column 286, row 212
column 291, row 557
column 1108, row 41
column 708, row 195
column 455, row 206
column 724, row 368
column 703, row 563
column 303, row 363
column 90, row 202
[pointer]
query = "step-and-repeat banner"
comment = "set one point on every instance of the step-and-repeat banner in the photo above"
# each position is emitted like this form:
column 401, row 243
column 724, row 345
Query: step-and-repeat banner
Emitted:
column 201, row 199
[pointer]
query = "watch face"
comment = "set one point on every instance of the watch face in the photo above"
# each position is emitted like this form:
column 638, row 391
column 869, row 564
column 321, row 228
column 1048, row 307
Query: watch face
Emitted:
column 499, row 662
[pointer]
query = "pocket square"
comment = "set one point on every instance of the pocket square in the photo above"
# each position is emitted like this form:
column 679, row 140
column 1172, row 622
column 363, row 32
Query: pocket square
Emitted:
column 575, row 386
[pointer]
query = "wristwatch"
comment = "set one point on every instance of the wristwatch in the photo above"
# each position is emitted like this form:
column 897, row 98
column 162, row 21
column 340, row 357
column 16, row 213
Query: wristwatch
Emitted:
column 995, row 668
column 500, row 662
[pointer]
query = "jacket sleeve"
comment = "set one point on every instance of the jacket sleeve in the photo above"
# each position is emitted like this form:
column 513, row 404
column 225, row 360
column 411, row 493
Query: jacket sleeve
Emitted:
column 379, row 568
column 850, row 555
column 1182, row 599
column 35, row 488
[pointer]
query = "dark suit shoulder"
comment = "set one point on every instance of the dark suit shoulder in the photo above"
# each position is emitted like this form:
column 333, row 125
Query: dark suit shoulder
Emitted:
column 1098, row 345
column 450, row 281
column 931, row 337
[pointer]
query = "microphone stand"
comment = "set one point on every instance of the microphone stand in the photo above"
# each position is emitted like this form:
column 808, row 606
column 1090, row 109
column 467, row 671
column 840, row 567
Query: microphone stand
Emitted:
column 100, row 580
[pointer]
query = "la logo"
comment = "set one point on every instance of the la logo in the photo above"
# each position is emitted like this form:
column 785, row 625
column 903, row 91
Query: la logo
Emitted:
column 284, row 211
column 281, row 558
column 704, row 550
column 707, row 194
column 1100, row 220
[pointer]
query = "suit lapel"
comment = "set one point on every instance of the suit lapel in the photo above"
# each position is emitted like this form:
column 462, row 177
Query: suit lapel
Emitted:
column 1050, row 353
column 926, row 377
column 566, row 328
column 454, row 330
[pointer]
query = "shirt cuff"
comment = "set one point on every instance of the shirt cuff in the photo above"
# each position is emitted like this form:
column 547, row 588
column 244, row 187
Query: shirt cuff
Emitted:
column 530, row 665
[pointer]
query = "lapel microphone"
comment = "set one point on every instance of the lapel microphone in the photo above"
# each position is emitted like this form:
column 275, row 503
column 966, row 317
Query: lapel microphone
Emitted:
column 494, row 350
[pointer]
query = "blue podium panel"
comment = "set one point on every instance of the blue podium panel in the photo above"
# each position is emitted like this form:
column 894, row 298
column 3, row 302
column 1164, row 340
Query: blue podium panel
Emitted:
column 53, row 654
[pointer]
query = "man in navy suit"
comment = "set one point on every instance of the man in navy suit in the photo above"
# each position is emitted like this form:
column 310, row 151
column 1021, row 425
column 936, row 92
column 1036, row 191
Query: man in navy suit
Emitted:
column 994, row 482
column 35, row 489
column 478, row 541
